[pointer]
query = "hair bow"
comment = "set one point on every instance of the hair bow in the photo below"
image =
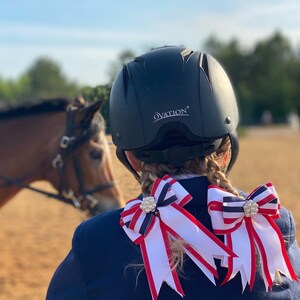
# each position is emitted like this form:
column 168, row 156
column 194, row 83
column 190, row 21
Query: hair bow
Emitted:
column 248, row 225
column 151, row 221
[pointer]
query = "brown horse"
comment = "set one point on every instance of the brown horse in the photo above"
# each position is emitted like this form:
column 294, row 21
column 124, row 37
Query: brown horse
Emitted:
column 61, row 143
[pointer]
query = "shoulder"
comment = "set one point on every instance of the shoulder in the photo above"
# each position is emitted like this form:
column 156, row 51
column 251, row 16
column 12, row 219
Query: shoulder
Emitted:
column 101, row 244
column 99, row 227
column 101, row 234
column 286, row 223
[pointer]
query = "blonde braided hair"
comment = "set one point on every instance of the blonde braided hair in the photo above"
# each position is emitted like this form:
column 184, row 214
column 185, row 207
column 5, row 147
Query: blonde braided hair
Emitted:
column 216, row 169
column 209, row 165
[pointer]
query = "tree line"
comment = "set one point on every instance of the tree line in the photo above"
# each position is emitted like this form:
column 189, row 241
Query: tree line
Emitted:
column 44, row 79
column 265, row 77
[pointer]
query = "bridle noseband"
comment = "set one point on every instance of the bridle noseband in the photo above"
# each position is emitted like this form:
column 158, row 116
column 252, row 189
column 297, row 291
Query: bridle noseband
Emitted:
column 69, row 143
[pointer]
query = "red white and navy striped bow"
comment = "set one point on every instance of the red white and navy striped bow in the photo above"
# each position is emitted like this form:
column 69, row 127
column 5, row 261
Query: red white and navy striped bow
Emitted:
column 152, row 221
column 248, row 225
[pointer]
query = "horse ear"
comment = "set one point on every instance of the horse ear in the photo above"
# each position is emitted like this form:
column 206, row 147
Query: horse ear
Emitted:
column 79, row 102
column 87, row 113
column 94, row 107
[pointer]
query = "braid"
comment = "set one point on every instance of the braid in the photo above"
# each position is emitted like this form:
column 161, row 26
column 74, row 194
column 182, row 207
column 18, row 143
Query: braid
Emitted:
column 215, row 173
column 216, row 176
column 147, row 178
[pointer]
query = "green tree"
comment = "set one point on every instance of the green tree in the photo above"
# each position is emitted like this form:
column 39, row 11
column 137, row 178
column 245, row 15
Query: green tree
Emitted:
column 7, row 90
column 46, row 80
column 271, row 63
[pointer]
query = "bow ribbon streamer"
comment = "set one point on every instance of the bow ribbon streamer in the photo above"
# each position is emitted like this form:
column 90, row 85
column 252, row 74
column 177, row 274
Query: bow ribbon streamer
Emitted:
column 245, row 234
column 152, row 232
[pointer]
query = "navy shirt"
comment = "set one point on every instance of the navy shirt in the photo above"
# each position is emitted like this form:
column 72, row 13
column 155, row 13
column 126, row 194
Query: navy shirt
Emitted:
column 105, row 264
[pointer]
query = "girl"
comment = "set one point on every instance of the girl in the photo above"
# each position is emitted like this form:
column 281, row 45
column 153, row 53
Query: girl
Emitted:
column 190, row 233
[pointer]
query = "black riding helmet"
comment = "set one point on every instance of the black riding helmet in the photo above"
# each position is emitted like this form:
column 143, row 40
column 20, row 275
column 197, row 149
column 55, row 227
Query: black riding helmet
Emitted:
column 171, row 105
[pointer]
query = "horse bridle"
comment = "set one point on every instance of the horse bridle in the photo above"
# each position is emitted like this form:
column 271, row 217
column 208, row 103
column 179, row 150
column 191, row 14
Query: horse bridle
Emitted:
column 68, row 145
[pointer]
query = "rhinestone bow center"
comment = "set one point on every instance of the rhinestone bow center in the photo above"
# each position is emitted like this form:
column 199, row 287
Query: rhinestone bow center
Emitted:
column 148, row 204
column 250, row 208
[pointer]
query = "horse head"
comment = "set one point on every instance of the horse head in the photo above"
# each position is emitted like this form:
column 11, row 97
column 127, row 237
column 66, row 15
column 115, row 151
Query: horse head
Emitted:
column 83, row 163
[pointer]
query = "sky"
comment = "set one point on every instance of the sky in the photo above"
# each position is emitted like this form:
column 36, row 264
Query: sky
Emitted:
column 85, row 37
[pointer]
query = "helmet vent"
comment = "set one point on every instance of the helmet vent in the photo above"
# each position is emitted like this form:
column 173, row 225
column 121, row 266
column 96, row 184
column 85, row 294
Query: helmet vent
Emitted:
column 204, row 65
column 186, row 54
column 125, row 79
column 140, row 61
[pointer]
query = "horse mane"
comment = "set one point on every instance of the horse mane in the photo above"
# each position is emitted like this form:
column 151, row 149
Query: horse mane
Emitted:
column 31, row 108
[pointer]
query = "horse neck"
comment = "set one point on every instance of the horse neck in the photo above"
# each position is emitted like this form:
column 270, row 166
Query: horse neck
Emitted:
column 29, row 143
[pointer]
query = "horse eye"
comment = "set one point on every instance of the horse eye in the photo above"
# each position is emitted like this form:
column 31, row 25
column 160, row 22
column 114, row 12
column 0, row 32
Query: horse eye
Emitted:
column 96, row 154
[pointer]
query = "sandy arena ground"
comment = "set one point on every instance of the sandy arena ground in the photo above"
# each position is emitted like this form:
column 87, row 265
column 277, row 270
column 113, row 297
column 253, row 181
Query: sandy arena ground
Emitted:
column 35, row 232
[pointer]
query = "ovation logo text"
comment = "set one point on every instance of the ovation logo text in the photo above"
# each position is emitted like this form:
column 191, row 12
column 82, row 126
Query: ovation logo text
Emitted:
column 180, row 112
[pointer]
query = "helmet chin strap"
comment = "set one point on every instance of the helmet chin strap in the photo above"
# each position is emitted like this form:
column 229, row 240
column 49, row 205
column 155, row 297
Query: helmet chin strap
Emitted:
column 124, row 160
column 234, row 150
